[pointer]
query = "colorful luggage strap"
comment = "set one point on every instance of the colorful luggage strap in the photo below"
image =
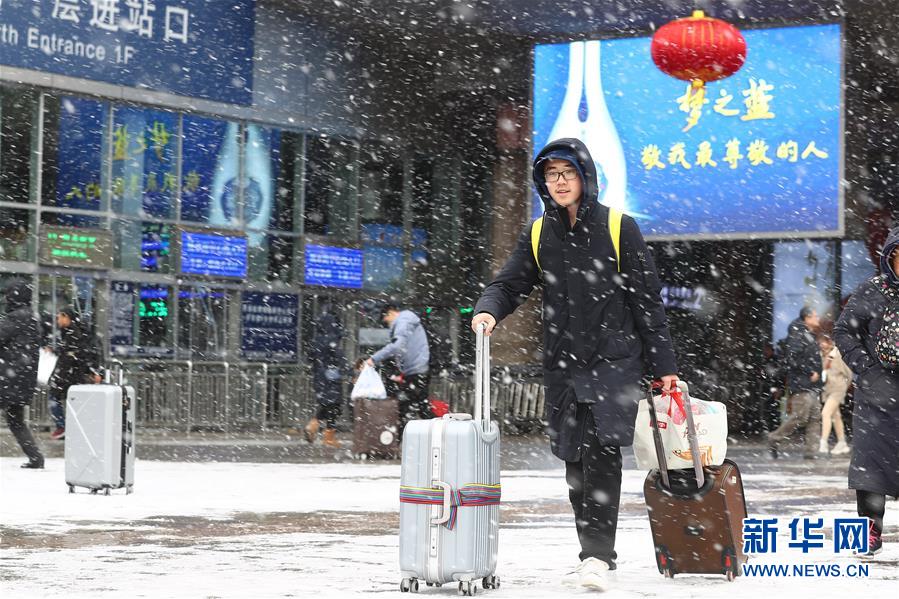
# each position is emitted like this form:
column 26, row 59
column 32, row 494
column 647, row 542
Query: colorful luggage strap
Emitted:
column 466, row 496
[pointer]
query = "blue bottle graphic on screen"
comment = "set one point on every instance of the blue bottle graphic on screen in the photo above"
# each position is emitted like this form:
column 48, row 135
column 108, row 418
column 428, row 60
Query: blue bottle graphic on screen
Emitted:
column 258, row 192
column 260, row 183
column 585, row 115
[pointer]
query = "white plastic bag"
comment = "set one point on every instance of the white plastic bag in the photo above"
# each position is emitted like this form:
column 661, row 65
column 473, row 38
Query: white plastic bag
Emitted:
column 46, row 364
column 710, row 418
column 369, row 385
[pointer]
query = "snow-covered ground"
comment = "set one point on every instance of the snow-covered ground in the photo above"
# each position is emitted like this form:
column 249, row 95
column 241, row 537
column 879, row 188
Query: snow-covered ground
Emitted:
column 303, row 530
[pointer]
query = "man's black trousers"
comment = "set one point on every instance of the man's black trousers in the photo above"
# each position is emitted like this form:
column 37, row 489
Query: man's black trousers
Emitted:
column 15, row 418
column 414, row 403
column 594, row 484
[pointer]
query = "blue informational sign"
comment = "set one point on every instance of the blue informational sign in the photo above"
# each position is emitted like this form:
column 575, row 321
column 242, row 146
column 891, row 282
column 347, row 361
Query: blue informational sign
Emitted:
column 213, row 255
column 381, row 234
column 383, row 267
column 199, row 48
column 759, row 155
column 268, row 326
column 333, row 267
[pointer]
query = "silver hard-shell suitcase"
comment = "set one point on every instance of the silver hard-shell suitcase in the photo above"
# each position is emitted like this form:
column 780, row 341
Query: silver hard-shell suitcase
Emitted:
column 99, row 445
column 449, row 494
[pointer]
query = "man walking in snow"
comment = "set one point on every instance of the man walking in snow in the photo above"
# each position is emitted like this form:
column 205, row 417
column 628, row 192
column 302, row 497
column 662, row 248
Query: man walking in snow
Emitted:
column 409, row 346
column 19, row 346
column 603, row 322
column 803, row 367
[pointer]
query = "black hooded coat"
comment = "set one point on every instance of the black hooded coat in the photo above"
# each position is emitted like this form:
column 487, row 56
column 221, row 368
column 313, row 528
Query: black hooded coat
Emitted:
column 875, row 418
column 328, row 361
column 20, row 340
column 600, row 328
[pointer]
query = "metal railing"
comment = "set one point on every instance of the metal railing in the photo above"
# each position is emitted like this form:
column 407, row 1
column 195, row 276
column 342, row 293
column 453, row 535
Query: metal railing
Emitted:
column 518, row 402
column 189, row 396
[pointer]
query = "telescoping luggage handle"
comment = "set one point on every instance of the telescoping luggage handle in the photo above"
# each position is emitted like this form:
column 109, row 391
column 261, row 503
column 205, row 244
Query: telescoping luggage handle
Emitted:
column 119, row 369
column 684, row 389
column 482, row 377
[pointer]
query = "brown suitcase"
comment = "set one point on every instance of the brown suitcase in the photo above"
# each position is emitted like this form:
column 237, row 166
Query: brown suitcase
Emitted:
column 376, row 428
column 696, row 516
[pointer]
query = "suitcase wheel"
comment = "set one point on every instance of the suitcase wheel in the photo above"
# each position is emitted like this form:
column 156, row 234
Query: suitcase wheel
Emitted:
column 409, row 585
column 490, row 582
column 433, row 584
column 730, row 565
column 664, row 563
column 71, row 488
column 467, row 588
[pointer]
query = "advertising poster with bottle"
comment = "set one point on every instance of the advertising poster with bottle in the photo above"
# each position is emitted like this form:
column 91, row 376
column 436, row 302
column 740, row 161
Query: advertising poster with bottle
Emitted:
column 758, row 156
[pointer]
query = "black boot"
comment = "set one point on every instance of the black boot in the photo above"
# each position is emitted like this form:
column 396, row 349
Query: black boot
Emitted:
column 35, row 464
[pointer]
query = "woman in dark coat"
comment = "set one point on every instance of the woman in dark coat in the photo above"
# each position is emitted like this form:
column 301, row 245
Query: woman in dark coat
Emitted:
column 874, row 469
column 78, row 363
column 19, row 346
column 328, row 367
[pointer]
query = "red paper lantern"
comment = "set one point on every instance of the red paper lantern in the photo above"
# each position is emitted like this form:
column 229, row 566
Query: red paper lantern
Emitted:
column 698, row 49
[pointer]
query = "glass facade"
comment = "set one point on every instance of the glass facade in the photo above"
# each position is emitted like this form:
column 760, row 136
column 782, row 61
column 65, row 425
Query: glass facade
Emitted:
column 76, row 132
column 144, row 174
column 17, row 116
column 144, row 162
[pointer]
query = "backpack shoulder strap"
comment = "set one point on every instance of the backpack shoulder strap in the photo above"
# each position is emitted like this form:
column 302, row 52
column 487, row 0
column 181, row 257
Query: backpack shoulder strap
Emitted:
column 615, row 233
column 536, row 230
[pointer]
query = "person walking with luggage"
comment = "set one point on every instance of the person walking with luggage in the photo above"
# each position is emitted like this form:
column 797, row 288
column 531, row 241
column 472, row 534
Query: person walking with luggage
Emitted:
column 802, row 363
column 837, row 377
column 329, row 365
column 867, row 334
column 20, row 340
column 603, row 321
column 409, row 346
column 78, row 363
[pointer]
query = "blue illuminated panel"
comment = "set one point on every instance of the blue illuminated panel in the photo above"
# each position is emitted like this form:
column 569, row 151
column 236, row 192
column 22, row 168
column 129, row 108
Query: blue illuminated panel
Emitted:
column 213, row 255
column 333, row 267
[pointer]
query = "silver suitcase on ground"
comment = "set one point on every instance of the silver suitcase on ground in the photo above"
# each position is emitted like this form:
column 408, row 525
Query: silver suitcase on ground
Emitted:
column 100, row 436
column 449, row 494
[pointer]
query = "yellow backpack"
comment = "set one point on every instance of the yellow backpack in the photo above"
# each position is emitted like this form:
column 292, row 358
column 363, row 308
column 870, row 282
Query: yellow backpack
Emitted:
column 614, row 233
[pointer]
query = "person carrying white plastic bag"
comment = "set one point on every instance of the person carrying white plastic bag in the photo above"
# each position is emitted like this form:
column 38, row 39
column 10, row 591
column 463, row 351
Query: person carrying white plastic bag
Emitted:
column 46, row 364
column 710, row 418
column 369, row 385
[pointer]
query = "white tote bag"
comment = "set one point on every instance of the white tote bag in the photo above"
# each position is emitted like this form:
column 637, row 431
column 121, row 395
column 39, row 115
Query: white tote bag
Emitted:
column 369, row 385
column 46, row 364
column 710, row 418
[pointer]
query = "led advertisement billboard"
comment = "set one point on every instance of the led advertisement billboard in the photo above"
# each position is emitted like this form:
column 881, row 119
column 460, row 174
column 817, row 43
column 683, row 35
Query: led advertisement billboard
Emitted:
column 759, row 156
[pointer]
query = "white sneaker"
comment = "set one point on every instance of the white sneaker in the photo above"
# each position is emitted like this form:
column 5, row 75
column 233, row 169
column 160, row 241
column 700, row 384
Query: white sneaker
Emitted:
column 591, row 574
column 573, row 578
column 823, row 447
column 840, row 448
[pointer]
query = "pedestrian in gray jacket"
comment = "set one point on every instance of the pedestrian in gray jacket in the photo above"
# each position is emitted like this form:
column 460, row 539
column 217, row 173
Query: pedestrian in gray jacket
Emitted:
column 409, row 347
